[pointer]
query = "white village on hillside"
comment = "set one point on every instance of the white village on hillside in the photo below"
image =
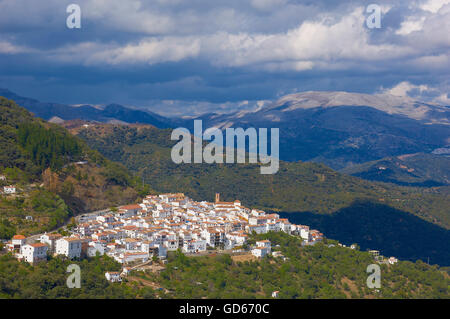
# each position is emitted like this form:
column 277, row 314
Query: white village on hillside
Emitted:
column 161, row 223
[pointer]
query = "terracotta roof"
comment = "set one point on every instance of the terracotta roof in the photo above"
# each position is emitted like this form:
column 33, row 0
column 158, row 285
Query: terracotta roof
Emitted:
column 36, row 245
column 19, row 237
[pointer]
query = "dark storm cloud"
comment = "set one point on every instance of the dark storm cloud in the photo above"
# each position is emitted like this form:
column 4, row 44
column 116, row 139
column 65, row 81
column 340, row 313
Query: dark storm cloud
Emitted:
column 225, row 55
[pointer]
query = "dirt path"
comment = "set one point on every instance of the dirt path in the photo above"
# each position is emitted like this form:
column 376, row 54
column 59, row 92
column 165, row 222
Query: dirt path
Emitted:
column 146, row 283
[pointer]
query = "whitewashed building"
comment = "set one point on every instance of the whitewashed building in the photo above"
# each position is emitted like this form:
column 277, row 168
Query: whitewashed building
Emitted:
column 69, row 247
column 194, row 246
column 262, row 249
column 9, row 189
column 392, row 260
column 50, row 240
column 260, row 252
column 33, row 253
column 16, row 244
column 113, row 276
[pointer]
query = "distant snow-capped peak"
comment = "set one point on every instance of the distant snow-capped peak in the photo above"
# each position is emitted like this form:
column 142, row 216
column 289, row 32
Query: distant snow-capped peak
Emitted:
column 385, row 102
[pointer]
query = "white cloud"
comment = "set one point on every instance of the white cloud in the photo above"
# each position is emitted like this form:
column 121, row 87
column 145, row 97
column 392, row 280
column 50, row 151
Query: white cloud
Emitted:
column 152, row 51
column 10, row 48
column 410, row 25
column 318, row 43
column 149, row 51
column 258, row 35
column 422, row 92
column 130, row 15
column 443, row 99
column 434, row 5
column 329, row 40
column 402, row 89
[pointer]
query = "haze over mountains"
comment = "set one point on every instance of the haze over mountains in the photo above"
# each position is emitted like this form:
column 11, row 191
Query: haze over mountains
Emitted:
column 304, row 190
column 339, row 129
column 111, row 113
column 427, row 112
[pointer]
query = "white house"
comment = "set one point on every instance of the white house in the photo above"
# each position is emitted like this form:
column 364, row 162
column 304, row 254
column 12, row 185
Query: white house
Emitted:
column 194, row 246
column 2, row 178
column 16, row 243
column 260, row 252
column 95, row 247
column 34, row 252
column 85, row 229
column 108, row 218
column 9, row 189
column 264, row 243
column 234, row 239
column 113, row 276
column 259, row 229
column 131, row 243
column 392, row 260
column 18, row 240
column 50, row 240
column 257, row 212
column 263, row 248
column 128, row 211
column 213, row 237
column 69, row 247
column 172, row 243
column 303, row 231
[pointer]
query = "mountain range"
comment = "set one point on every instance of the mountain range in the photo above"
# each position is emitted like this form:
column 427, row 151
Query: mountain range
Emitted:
column 339, row 129
column 342, row 129
column 111, row 113
column 313, row 193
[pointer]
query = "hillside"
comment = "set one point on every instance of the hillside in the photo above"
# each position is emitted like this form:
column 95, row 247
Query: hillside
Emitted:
column 300, row 190
column 110, row 113
column 426, row 170
column 296, row 187
column 310, row 272
column 338, row 129
column 47, row 280
column 341, row 129
column 56, row 174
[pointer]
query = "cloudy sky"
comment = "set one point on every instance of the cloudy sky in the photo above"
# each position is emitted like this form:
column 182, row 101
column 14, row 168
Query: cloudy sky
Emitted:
column 193, row 56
